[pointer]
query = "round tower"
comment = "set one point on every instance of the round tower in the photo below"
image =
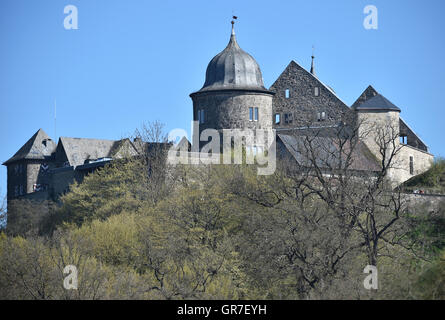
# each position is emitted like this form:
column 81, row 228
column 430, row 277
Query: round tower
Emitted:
column 233, row 95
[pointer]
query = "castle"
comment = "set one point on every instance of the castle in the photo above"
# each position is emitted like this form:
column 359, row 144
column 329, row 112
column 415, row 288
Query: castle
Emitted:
column 233, row 97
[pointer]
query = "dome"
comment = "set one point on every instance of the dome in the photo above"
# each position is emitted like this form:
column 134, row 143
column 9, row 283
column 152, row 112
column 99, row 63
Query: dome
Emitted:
column 233, row 68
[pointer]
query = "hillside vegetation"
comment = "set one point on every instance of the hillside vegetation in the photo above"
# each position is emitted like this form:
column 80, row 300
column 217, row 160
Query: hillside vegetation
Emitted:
column 139, row 229
column 431, row 181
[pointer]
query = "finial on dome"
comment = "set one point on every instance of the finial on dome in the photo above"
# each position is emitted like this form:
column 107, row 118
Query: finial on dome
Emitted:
column 233, row 24
column 232, row 41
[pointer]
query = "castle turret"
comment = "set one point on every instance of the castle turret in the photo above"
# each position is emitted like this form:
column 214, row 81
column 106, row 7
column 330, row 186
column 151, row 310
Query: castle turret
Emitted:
column 383, row 131
column 233, row 95
column 28, row 168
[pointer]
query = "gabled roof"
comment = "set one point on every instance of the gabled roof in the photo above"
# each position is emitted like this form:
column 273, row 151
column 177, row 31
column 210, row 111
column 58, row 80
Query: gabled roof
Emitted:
column 294, row 64
column 39, row 147
column 78, row 150
column 326, row 152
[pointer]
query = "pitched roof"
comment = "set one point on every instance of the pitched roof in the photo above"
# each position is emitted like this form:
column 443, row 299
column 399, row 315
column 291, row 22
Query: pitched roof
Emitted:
column 326, row 151
column 367, row 94
column 78, row 150
column 370, row 99
column 378, row 102
column 39, row 147
column 293, row 65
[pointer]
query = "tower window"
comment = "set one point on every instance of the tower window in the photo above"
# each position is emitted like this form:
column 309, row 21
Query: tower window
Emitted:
column 411, row 165
column 277, row 118
column 253, row 114
column 201, row 116
column 287, row 93
column 316, row 91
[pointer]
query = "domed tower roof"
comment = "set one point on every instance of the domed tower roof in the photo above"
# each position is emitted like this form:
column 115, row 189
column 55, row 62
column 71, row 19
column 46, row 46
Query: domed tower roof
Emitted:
column 233, row 69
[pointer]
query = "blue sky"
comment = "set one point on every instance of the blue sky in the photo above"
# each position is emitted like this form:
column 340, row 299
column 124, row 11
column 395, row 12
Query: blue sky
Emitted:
column 134, row 61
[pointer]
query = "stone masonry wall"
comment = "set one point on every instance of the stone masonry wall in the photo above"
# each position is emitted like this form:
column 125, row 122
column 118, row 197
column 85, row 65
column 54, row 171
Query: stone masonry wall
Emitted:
column 230, row 110
column 303, row 103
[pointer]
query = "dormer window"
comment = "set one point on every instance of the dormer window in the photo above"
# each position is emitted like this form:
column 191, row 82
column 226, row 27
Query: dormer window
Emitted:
column 287, row 93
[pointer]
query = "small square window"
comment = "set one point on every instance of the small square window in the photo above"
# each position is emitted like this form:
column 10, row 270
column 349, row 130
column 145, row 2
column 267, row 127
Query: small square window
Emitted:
column 287, row 93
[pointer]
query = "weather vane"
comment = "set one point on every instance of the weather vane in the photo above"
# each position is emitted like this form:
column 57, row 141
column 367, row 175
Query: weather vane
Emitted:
column 234, row 18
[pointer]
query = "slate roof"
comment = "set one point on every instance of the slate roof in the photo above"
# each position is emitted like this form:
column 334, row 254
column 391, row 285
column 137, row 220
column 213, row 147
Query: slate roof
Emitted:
column 326, row 150
column 78, row 150
column 233, row 69
column 39, row 147
column 367, row 94
column 378, row 102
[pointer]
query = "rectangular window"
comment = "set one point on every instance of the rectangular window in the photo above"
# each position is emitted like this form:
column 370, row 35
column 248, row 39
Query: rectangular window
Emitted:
column 411, row 165
column 403, row 139
column 316, row 91
column 323, row 116
column 288, row 117
column 250, row 114
column 287, row 93
column 256, row 114
column 201, row 116
column 277, row 118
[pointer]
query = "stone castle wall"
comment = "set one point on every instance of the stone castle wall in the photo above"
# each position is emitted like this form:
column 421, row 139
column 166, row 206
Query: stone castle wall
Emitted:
column 308, row 97
column 230, row 110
